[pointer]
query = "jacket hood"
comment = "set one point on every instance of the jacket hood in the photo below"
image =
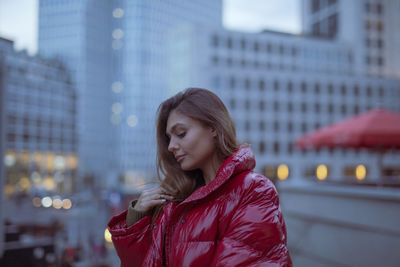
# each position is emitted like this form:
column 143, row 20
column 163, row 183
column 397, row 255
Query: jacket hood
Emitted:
column 240, row 161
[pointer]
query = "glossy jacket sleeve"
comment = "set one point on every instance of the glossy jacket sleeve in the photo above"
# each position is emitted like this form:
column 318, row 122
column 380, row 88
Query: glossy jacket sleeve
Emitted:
column 131, row 243
column 256, row 235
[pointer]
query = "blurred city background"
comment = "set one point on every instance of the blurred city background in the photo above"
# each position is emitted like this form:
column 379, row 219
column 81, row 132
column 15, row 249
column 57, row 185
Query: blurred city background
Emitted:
column 312, row 85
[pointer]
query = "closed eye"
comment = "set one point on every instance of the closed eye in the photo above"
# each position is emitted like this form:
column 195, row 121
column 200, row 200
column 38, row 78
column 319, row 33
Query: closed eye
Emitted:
column 181, row 135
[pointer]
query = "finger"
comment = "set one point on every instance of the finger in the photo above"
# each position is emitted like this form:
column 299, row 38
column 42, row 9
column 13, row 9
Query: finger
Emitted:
column 168, row 197
column 156, row 202
column 151, row 191
column 155, row 190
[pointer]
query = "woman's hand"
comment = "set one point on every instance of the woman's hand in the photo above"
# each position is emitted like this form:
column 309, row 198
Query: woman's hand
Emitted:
column 152, row 197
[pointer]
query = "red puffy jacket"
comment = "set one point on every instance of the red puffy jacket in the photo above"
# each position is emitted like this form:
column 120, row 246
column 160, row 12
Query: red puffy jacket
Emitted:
column 235, row 220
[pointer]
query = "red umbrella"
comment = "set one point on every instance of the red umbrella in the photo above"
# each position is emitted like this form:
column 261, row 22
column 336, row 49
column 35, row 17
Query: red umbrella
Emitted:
column 376, row 129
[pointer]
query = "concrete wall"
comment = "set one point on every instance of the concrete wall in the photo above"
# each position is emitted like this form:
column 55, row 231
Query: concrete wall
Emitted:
column 342, row 225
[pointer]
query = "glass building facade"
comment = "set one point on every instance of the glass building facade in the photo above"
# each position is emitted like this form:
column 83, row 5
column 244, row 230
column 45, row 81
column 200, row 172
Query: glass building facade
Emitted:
column 118, row 53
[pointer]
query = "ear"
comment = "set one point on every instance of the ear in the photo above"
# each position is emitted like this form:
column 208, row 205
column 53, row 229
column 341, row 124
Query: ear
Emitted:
column 213, row 132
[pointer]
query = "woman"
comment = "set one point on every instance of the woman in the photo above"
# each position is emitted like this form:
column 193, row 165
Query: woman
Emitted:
column 211, row 209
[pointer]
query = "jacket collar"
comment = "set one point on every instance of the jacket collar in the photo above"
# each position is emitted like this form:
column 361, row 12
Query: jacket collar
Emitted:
column 239, row 161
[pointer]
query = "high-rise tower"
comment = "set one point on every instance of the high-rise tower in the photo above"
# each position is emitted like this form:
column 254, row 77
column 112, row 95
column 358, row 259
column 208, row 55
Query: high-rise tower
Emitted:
column 371, row 26
column 118, row 53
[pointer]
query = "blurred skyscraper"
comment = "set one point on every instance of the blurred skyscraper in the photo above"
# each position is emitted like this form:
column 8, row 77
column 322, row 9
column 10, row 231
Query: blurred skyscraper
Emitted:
column 79, row 33
column 372, row 27
column 40, row 114
column 38, row 133
column 118, row 53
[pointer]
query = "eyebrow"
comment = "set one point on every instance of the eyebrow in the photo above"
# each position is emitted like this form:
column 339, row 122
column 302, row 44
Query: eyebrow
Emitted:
column 173, row 128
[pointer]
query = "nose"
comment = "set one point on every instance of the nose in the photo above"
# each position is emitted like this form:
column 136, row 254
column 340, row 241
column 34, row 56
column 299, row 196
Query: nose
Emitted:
column 172, row 146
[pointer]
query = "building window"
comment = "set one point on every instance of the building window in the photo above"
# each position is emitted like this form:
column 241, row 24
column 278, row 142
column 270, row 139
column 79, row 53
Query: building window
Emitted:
column 247, row 84
column 380, row 61
column 215, row 40
column 229, row 43
column 368, row 42
column 330, row 108
column 256, row 47
column 332, row 2
column 294, row 51
column 232, row 103
column 332, row 25
column 247, row 126
column 276, row 85
column 276, row 126
column 281, row 49
column 379, row 26
column 303, row 107
column 343, row 109
column 269, row 48
column 261, row 85
column 317, row 107
column 315, row 6
column 303, row 127
column 276, row 106
column 343, row 90
column 356, row 90
column 261, row 105
column 330, row 89
column 290, row 127
column 379, row 43
column 367, row 25
column 289, row 87
column 261, row 125
column 380, row 91
column 369, row 91
column 276, row 147
column 316, row 89
column 10, row 137
column 290, row 107
column 261, row 147
column 247, row 104
column 215, row 60
column 316, row 29
column 232, row 82
column 367, row 7
column 243, row 44
column 290, row 148
column 11, row 119
column 356, row 109
column 368, row 60
column 379, row 9
column 303, row 87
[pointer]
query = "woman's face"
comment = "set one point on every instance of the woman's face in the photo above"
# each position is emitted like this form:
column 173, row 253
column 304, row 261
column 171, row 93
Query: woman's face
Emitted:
column 191, row 142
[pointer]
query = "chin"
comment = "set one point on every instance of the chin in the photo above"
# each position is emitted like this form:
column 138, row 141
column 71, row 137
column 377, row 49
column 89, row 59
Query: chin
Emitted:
column 188, row 167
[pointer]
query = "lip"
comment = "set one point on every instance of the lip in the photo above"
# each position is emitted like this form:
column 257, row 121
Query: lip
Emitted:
column 179, row 158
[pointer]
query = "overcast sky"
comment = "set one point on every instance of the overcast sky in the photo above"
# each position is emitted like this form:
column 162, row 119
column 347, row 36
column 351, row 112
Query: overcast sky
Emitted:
column 18, row 18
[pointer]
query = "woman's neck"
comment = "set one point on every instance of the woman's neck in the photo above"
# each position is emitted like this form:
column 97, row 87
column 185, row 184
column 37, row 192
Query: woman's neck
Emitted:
column 211, row 168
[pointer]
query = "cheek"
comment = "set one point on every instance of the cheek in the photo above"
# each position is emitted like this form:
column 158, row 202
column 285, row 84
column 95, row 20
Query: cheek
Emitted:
column 207, row 146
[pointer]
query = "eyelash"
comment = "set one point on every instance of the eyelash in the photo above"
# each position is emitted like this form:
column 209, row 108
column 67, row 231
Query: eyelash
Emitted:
column 181, row 135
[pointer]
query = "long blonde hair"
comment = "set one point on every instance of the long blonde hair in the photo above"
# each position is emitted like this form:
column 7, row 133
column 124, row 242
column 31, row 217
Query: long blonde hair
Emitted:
column 206, row 107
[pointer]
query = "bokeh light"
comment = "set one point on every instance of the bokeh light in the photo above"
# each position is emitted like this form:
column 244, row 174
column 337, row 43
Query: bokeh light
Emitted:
column 361, row 172
column 321, row 172
column 283, row 172
column 107, row 236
